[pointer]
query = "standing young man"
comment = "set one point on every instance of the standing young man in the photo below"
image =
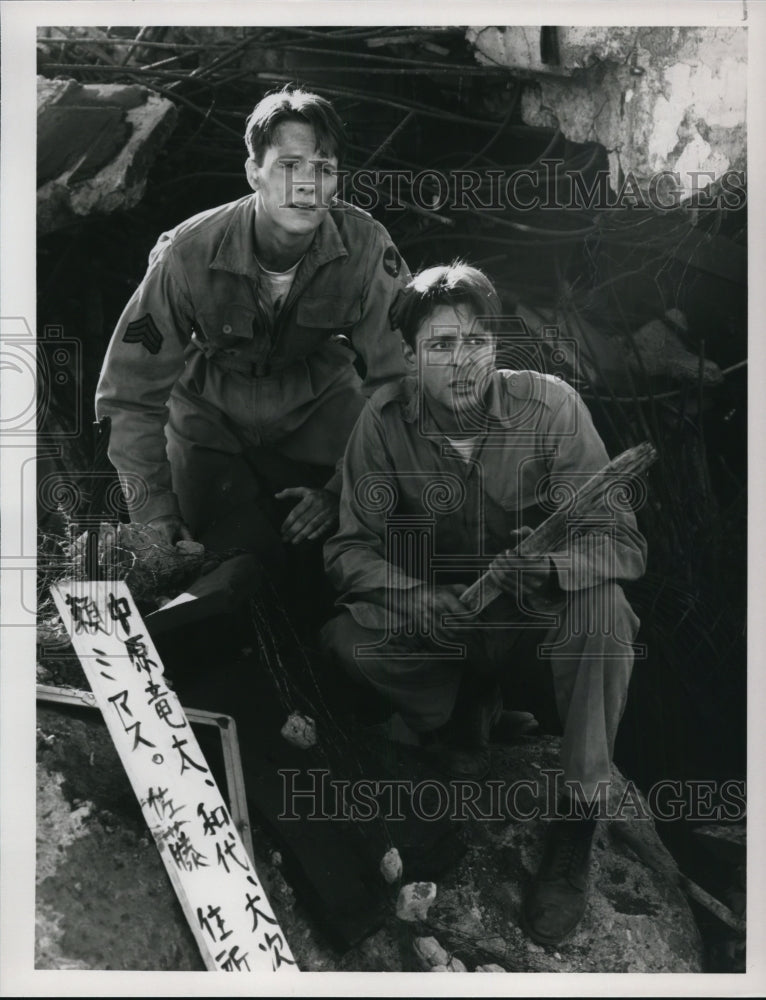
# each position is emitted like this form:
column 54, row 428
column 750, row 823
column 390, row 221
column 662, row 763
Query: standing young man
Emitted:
column 443, row 468
column 229, row 379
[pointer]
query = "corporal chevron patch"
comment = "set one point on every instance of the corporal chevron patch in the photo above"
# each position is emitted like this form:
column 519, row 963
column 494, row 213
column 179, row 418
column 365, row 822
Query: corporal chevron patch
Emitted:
column 144, row 331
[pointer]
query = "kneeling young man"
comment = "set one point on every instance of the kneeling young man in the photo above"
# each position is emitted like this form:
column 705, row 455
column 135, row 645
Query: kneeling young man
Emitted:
column 447, row 467
column 230, row 379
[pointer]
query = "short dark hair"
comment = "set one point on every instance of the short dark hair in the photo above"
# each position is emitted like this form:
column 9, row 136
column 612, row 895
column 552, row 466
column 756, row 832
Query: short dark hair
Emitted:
column 294, row 104
column 444, row 285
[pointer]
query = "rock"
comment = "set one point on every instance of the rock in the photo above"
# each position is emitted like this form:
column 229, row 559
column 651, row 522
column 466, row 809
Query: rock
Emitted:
column 300, row 730
column 436, row 958
column 189, row 548
column 43, row 674
column 95, row 144
column 135, row 552
column 479, row 904
column 103, row 900
column 633, row 885
column 663, row 354
column 391, row 866
column 154, row 566
column 415, row 901
column 654, row 356
column 429, row 952
column 566, row 346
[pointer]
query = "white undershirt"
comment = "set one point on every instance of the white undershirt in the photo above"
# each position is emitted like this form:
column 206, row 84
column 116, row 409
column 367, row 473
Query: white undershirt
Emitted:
column 463, row 446
column 278, row 284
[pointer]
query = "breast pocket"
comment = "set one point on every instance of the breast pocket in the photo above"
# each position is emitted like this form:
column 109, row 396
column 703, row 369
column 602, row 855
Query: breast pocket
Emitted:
column 328, row 313
column 517, row 477
column 231, row 327
column 321, row 321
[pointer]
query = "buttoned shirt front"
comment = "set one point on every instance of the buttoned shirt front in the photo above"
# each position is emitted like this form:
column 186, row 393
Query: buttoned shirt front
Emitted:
column 414, row 510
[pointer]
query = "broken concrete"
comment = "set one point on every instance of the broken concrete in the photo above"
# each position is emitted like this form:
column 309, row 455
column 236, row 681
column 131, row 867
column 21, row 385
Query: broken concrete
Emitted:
column 657, row 98
column 95, row 145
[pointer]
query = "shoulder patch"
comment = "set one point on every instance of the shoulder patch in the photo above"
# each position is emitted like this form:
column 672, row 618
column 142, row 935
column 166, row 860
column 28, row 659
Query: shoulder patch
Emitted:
column 144, row 331
column 392, row 262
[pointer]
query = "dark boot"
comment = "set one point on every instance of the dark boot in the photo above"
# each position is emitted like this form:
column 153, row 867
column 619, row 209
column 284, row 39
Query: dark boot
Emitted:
column 556, row 901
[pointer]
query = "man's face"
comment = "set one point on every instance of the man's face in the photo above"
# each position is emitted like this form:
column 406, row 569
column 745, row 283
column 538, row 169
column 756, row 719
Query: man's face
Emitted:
column 295, row 183
column 455, row 358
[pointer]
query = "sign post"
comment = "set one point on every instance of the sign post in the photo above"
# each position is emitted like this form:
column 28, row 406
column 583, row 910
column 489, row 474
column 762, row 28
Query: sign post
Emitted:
column 214, row 879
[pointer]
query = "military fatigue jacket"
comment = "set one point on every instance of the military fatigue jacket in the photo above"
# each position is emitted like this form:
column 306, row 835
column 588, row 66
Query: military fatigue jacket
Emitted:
column 413, row 510
column 201, row 293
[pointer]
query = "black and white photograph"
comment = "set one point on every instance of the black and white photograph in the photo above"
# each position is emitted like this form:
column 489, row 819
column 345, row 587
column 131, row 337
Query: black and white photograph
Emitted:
column 376, row 469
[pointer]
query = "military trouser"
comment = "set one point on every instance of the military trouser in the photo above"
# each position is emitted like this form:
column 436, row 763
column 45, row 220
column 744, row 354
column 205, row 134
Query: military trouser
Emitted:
column 233, row 441
column 587, row 653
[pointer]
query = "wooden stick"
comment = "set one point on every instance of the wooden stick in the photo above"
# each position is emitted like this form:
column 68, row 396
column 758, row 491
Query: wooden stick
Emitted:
column 552, row 533
column 712, row 905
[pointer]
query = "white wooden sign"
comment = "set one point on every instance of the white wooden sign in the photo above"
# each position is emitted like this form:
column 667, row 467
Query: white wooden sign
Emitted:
column 215, row 881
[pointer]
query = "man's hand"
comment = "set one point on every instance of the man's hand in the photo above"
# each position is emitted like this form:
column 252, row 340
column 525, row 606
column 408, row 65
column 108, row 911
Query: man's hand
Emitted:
column 315, row 514
column 170, row 529
column 531, row 581
column 425, row 606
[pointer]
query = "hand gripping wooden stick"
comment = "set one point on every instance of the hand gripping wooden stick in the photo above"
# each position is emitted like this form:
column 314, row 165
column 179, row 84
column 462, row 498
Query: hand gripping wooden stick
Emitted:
column 552, row 533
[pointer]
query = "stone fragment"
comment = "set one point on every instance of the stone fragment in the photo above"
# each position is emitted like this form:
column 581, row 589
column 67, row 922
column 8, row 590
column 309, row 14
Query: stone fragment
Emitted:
column 300, row 730
column 391, row 866
column 429, row 952
column 663, row 353
column 490, row 967
column 189, row 548
column 415, row 901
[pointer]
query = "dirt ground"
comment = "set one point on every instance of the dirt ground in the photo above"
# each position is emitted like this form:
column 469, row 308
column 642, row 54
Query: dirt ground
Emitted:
column 105, row 902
